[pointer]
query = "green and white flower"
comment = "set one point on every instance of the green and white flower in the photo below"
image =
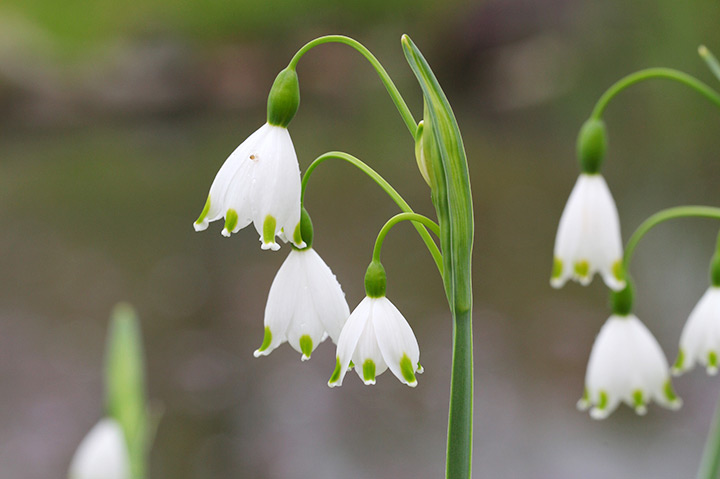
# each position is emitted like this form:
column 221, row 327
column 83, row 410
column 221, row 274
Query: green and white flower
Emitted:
column 377, row 337
column 700, row 338
column 626, row 365
column 258, row 183
column 102, row 454
column 306, row 305
column 588, row 238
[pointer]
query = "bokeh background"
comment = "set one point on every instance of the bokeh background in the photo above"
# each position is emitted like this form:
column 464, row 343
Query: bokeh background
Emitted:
column 115, row 116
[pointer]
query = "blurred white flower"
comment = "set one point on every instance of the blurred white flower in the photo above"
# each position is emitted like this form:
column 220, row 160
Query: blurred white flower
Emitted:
column 700, row 338
column 588, row 238
column 626, row 364
column 377, row 337
column 258, row 183
column 306, row 305
column 102, row 454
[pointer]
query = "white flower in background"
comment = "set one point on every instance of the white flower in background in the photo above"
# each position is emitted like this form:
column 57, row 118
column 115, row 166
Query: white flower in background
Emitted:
column 700, row 338
column 377, row 337
column 258, row 183
column 588, row 238
column 102, row 454
column 626, row 364
column 306, row 305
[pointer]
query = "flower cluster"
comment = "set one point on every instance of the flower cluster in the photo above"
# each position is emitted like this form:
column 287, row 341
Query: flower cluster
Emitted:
column 260, row 183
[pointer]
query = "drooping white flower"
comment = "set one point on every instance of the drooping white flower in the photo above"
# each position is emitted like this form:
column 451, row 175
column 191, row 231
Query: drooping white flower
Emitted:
column 306, row 305
column 626, row 364
column 258, row 183
column 377, row 337
column 700, row 338
column 588, row 238
column 102, row 454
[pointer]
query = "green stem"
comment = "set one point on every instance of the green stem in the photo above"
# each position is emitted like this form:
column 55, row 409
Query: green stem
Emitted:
column 387, row 187
column 710, row 462
column 650, row 73
column 661, row 217
column 459, row 445
column 414, row 217
column 384, row 77
column 710, row 60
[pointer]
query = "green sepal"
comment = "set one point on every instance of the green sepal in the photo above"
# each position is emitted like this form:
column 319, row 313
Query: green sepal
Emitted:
column 125, row 384
column 375, row 280
column 284, row 98
column 621, row 301
column 444, row 154
column 591, row 145
column 306, row 228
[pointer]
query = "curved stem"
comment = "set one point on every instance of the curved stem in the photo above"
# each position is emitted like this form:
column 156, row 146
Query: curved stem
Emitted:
column 661, row 217
column 648, row 74
column 384, row 77
column 414, row 217
column 387, row 187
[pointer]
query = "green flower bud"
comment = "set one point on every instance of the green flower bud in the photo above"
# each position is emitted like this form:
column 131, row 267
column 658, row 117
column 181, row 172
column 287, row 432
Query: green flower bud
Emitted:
column 622, row 301
column 591, row 146
column 420, row 154
column 375, row 280
column 284, row 98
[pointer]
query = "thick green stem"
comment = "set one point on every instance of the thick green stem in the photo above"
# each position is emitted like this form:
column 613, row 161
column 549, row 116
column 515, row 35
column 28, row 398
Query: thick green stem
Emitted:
column 661, row 217
column 400, row 104
column 651, row 73
column 710, row 462
column 459, row 445
column 387, row 187
column 414, row 217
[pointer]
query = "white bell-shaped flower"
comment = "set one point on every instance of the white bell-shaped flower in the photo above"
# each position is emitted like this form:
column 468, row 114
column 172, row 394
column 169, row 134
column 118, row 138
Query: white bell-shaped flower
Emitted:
column 700, row 338
column 258, row 183
column 377, row 337
column 306, row 305
column 102, row 454
column 626, row 364
column 588, row 238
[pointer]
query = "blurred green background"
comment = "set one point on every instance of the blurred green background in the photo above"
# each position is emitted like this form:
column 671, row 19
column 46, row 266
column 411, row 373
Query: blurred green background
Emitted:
column 115, row 116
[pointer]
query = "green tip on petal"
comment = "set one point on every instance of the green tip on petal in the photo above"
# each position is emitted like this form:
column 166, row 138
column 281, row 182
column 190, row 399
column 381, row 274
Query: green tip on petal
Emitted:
column 557, row 268
column 269, row 226
column 603, row 402
column 231, row 220
column 582, row 268
column 267, row 339
column 369, row 371
column 306, row 346
column 336, row 373
column 712, row 363
column 670, row 394
column 617, row 270
column 406, row 368
column 204, row 213
column 679, row 362
column 639, row 402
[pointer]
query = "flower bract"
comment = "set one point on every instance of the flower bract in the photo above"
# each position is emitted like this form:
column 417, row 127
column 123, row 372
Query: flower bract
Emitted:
column 377, row 337
column 700, row 338
column 102, row 454
column 259, row 183
column 588, row 238
column 306, row 305
column 626, row 365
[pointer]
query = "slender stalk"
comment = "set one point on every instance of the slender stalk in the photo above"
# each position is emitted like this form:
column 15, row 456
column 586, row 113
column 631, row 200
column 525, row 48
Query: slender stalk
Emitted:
column 459, row 445
column 661, row 217
column 710, row 462
column 414, row 217
column 400, row 104
column 651, row 73
column 387, row 187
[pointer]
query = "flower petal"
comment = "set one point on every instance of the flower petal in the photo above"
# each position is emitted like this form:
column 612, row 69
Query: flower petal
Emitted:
column 397, row 341
column 102, row 454
column 326, row 294
column 348, row 340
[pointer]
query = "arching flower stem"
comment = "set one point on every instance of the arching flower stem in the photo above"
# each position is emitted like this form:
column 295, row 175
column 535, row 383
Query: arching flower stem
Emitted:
column 414, row 217
column 654, row 73
column 382, row 73
column 387, row 187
